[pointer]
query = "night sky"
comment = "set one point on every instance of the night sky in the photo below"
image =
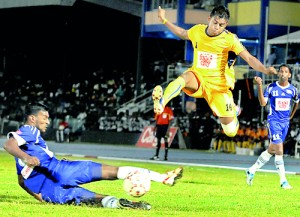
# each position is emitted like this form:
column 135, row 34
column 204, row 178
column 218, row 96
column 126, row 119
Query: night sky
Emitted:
column 59, row 40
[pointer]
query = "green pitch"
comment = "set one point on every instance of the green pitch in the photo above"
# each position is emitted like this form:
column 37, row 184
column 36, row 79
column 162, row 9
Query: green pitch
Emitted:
column 201, row 192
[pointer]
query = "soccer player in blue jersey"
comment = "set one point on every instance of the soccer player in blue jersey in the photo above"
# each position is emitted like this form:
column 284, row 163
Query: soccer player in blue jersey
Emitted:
column 280, row 94
column 56, row 181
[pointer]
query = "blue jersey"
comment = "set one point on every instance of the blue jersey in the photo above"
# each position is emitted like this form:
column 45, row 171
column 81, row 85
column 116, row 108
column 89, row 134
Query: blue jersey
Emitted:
column 57, row 180
column 34, row 145
column 280, row 100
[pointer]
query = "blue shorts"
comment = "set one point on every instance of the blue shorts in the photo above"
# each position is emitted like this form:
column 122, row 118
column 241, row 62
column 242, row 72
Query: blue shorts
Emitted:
column 278, row 131
column 63, row 186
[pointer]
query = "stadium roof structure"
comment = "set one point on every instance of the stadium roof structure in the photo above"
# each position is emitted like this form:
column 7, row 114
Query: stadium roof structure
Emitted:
column 133, row 7
column 290, row 38
column 30, row 3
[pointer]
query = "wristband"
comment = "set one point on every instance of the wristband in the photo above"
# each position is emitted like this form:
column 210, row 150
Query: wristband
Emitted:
column 164, row 21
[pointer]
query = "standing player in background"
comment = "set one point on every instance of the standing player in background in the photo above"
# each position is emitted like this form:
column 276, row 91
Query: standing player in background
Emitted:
column 280, row 94
column 212, row 76
column 162, row 127
column 51, row 180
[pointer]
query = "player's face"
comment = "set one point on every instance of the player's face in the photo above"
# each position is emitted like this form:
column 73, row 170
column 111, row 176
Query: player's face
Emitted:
column 216, row 25
column 284, row 74
column 42, row 121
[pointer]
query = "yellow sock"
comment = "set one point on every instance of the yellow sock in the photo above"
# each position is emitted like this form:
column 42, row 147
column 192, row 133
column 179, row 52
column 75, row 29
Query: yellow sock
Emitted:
column 215, row 145
column 220, row 142
column 232, row 147
column 173, row 89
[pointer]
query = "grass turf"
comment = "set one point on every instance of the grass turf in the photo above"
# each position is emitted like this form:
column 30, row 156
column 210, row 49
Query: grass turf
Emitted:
column 201, row 192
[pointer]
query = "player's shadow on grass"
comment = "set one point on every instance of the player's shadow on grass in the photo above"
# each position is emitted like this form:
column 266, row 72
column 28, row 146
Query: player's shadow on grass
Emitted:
column 13, row 199
column 32, row 201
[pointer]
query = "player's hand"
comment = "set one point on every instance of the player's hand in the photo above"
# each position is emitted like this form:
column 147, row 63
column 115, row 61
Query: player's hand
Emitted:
column 31, row 161
column 258, row 80
column 161, row 14
column 168, row 135
column 271, row 71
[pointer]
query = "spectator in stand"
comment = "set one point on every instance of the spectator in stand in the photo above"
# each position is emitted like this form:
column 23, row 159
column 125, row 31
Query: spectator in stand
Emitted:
column 119, row 93
column 240, row 135
column 207, row 131
column 262, row 137
column 63, row 132
column 292, row 137
column 161, row 130
column 190, row 104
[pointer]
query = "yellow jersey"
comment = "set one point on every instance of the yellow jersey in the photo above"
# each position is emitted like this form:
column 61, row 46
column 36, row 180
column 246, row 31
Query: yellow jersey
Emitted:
column 210, row 59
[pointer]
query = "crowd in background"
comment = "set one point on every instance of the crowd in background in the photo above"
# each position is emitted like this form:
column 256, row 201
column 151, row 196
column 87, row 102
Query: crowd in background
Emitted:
column 90, row 104
column 96, row 95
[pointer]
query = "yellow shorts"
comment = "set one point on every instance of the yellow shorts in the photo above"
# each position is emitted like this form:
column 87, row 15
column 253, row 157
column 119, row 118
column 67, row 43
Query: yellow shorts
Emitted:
column 219, row 98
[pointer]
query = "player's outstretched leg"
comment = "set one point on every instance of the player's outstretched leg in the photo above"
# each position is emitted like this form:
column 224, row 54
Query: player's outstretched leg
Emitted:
column 115, row 203
column 173, row 175
column 157, row 95
column 128, row 204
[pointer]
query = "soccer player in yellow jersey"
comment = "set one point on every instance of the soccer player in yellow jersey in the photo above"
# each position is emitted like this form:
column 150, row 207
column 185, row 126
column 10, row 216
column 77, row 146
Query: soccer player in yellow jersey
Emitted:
column 211, row 77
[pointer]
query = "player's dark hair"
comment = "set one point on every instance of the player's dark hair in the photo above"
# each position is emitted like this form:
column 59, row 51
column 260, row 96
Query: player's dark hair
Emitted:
column 34, row 108
column 220, row 11
column 285, row 65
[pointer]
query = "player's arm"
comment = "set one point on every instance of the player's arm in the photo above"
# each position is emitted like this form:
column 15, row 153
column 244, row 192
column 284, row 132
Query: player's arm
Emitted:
column 176, row 30
column 154, row 129
column 256, row 64
column 12, row 147
column 294, row 109
column 22, row 184
column 261, row 97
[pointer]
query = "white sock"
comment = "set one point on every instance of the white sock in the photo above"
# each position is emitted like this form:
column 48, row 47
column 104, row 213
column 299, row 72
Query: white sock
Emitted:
column 279, row 164
column 154, row 176
column 110, row 202
column 263, row 158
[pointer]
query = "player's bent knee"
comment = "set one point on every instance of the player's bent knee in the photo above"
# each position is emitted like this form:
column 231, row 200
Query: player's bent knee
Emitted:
column 231, row 128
